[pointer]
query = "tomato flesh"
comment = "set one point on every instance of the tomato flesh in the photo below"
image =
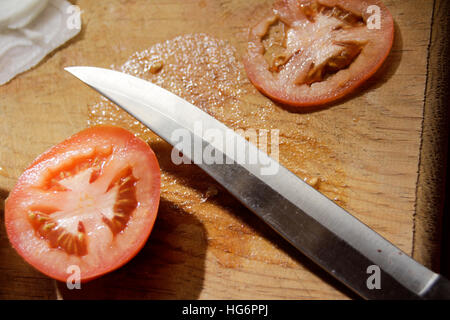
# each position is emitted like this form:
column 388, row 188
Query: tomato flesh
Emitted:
column 90, row 202
column 311, row 52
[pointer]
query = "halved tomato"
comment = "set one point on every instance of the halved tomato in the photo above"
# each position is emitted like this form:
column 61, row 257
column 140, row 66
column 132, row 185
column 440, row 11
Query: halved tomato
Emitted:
column 311, row 52
column 90, row 202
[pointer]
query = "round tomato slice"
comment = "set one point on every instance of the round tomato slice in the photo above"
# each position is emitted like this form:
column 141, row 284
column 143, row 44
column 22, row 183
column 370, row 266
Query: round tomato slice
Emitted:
column 311, row 52
column 89, row 202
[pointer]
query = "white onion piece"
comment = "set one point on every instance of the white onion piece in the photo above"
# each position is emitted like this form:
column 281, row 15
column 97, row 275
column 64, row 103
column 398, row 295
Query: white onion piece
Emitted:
column 29, row 35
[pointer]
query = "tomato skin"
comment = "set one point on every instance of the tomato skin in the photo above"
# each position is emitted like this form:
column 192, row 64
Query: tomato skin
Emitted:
column 54, row 261
column 326, row 91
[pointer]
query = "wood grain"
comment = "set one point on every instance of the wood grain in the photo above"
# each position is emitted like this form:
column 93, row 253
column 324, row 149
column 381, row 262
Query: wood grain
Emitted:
column 431, row 181
column 365, row 149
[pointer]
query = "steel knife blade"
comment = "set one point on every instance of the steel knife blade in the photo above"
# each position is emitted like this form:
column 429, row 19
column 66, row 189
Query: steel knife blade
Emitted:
column 308, row 220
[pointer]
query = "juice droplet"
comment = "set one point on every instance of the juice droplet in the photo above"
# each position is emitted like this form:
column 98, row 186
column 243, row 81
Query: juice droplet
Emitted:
column 3, row 172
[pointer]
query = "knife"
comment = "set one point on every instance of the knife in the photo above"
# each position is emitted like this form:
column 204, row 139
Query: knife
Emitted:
column 323, row 231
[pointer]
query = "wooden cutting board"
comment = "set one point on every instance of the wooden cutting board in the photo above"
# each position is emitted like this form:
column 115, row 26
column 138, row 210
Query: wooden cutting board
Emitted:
column 365, row 150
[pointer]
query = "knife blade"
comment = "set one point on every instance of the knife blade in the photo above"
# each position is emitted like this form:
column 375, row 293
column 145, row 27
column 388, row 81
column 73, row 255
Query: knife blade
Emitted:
column 326, row 233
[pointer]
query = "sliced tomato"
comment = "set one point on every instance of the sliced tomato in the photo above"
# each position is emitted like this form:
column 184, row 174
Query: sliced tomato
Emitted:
column 311, row 52
column 89, row 202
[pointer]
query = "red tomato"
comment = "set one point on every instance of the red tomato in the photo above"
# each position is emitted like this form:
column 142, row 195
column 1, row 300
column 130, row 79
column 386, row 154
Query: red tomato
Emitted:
column 311, row 52
column 90, row 202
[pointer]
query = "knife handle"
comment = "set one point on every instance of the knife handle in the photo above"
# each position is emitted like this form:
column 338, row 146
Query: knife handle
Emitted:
column 440, row 290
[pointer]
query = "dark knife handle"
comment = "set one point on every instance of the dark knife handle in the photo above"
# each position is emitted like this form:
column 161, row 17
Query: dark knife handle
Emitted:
column 440, row 290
